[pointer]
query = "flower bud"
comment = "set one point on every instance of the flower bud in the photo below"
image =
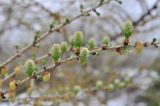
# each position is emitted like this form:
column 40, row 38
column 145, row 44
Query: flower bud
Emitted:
column 110, row 87
column 127, row 79
column 17, row 70
column 116, row 82
column 84, row 54
column 30, row 67
column 128, row 29
column 67, row 21
column 91, row 43
column 122, row 84
column 52, row 24
column 64, row 46
column 46, row 76
column 99, row 84
column 12, row 85
column 78, row 39
column 76, row 89
column 138, row 47
column 106, row 40
column 56, row 52
column 4, row 70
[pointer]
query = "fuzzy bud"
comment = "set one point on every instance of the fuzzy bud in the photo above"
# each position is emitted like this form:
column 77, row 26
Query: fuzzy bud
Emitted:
column 76, row 89
column 110, row 87
column 119, row 83
column 91, row 43
column 52, row 24
column 30, row 67
column 4, row 70
column 128, row 29
column 67, row 21
column 122, row 84
column 99, row 84
column 12, row 85
column 46, row 76
column 126, row 79
column 116, row 82
column 64, row 46
column 78, row 39
column 106, row 40
column 84, row 54
column 17, row 70
column 56, row 52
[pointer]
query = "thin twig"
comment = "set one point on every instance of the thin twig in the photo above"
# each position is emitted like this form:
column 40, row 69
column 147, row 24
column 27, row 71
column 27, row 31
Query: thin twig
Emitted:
column 51, row 67
column 48, row 33
column 47, row 55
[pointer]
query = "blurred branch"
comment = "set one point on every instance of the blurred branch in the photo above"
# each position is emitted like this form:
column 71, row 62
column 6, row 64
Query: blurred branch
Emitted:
column 70, row 94
column 155, row 6
column 43, row 8
column 141, row 19
column 144, row 5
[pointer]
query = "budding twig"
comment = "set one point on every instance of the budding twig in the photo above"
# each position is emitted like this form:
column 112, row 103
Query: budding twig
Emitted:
column 51, row 67
column 48, row 33
column 71, row 93
column 93, row 51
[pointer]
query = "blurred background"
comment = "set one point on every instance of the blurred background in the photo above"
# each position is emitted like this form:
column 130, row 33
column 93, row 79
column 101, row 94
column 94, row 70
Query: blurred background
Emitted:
column 20, row 19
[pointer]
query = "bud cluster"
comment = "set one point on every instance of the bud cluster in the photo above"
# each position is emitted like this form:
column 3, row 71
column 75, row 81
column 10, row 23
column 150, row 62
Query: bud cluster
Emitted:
column 84, row 54
column 117, row 84
column 76, row 89
column 99, row 84
column 91, row 43
column 77, row 39
column 4, row 70
column 64, row 46
column 56, row 52
column 12, row 85
column 46, row 76
column 17, row 69
column 30, row 67
column 106, row 41
column 128, row 29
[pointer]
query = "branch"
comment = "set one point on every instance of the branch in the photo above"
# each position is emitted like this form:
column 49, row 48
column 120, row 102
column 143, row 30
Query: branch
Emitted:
column 48, row 33
column 136, row 23
column 38, row 59
column 92, row 52
column 107, row 88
